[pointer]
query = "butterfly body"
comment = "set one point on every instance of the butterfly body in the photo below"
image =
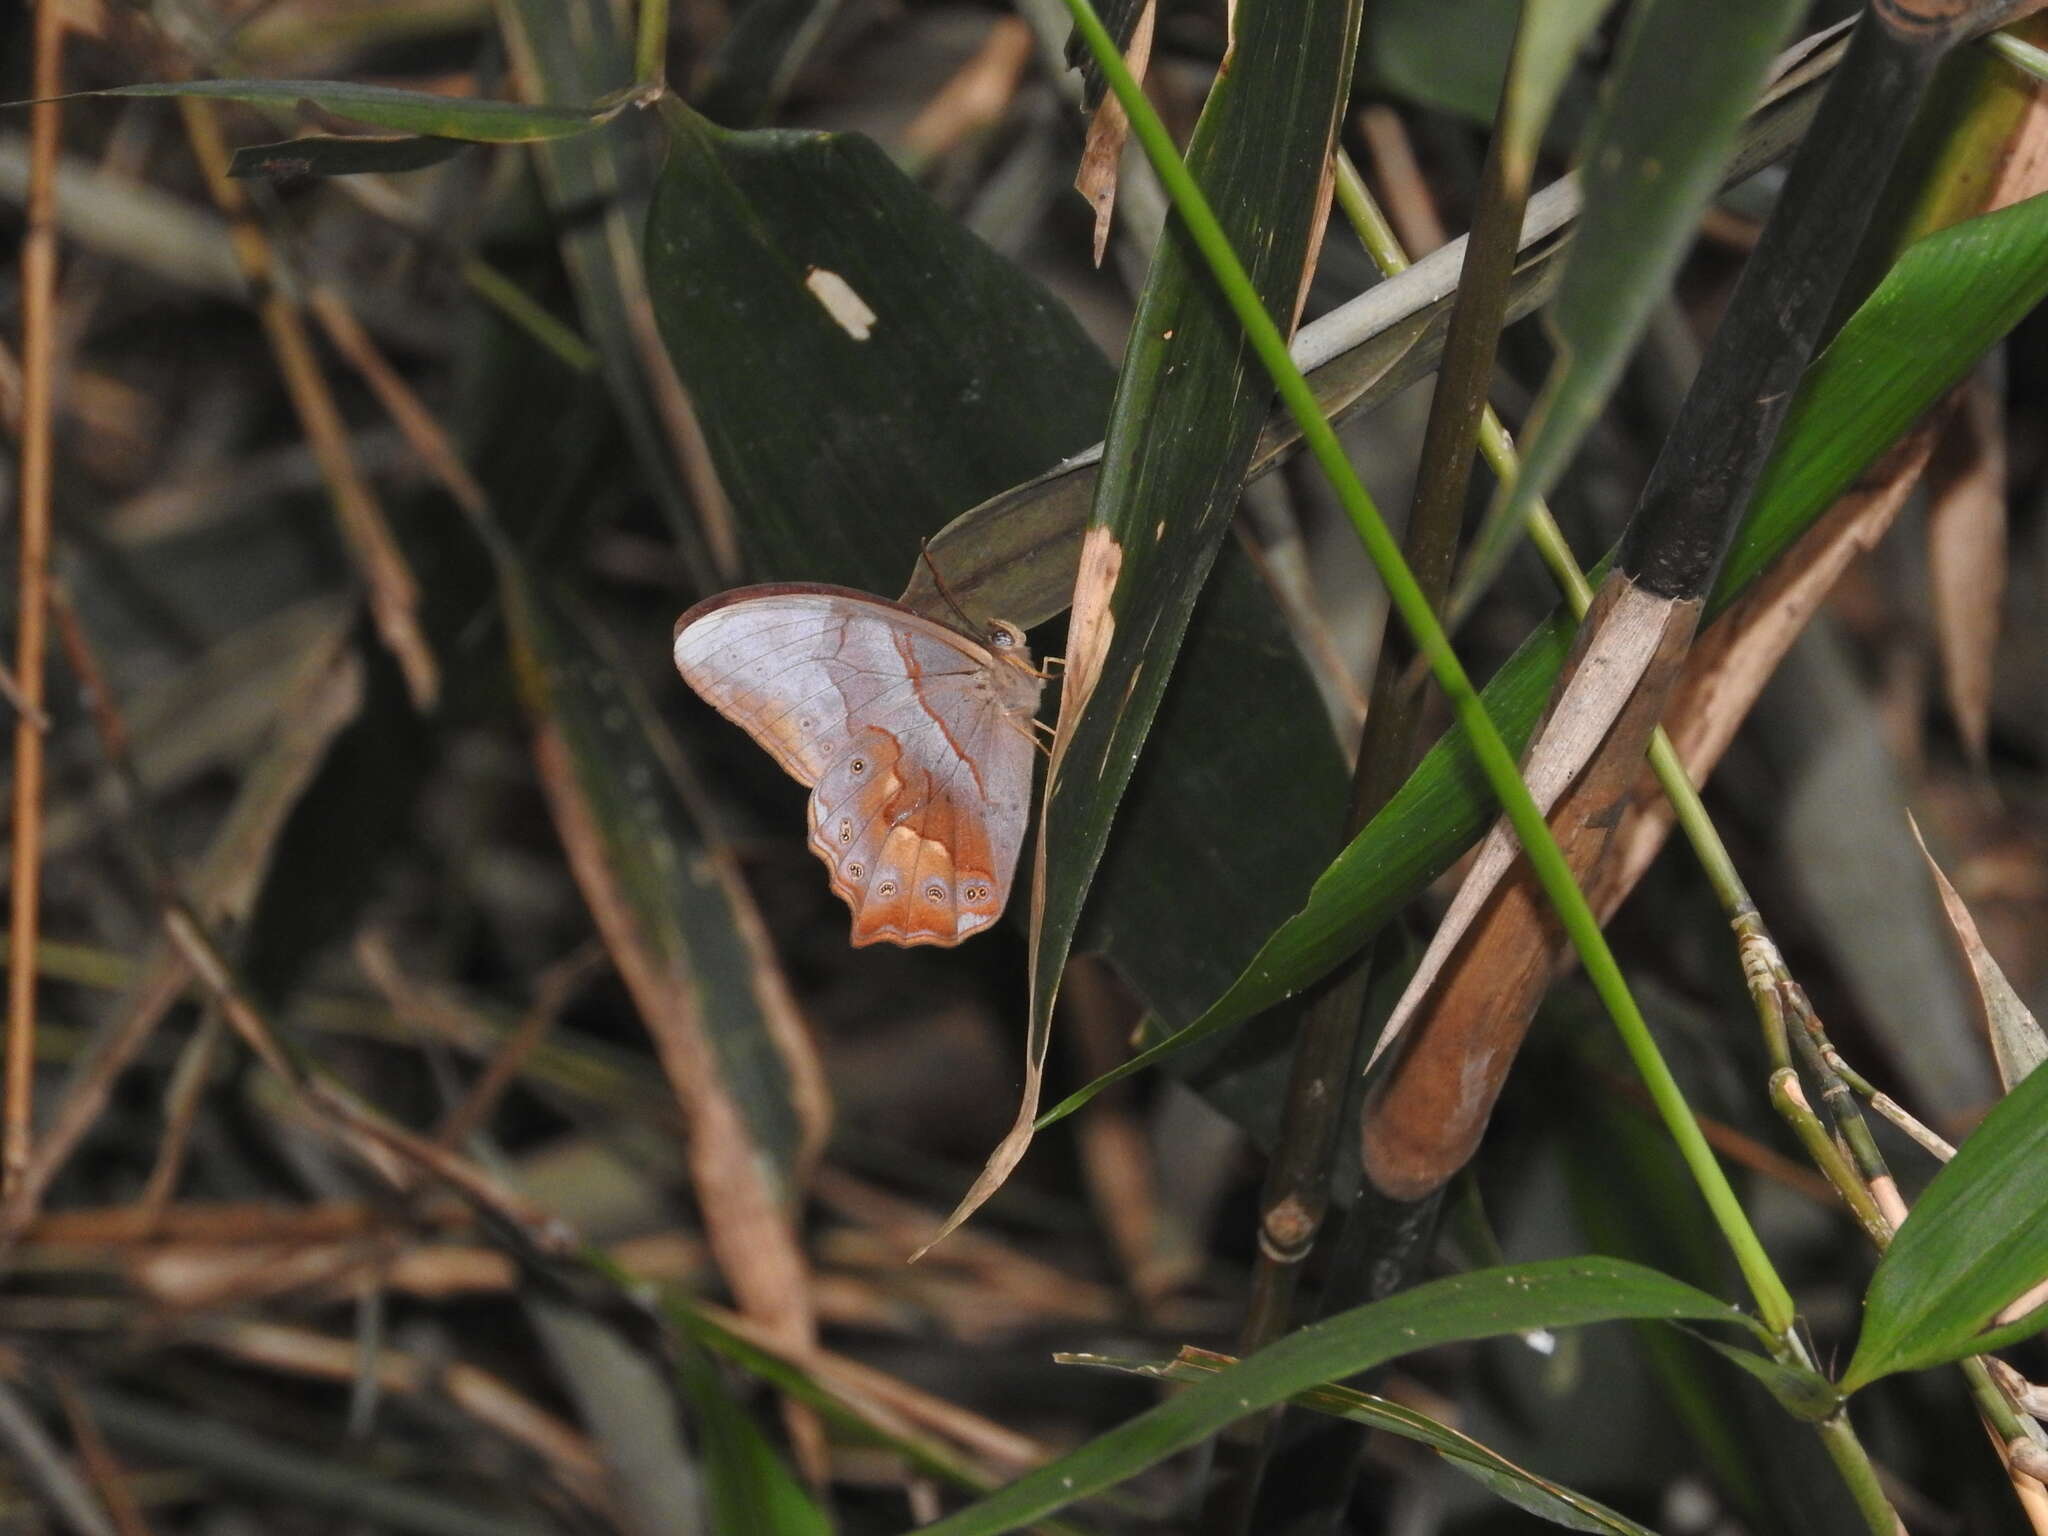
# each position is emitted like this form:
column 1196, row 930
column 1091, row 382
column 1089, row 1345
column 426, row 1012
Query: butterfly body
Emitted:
column 914, row 739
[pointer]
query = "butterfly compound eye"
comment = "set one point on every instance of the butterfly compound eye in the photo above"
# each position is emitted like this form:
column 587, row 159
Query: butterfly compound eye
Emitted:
column 1003, row 635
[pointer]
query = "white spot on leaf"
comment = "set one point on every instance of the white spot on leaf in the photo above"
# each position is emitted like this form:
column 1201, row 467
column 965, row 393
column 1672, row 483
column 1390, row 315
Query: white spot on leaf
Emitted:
column 845, row 306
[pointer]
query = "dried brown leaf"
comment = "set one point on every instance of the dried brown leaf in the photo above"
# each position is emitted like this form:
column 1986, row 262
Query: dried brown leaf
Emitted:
column 1966, row 516
column 978, row 93
column 1103, row 154
column 2017, row 1042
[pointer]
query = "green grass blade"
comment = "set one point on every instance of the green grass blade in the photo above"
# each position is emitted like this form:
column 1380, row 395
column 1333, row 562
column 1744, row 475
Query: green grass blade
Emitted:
column 401, row 111
column 332, row 155
column 1562, row 1293
column 1519, row 1486
column 1191, row 400
column 748, row 1491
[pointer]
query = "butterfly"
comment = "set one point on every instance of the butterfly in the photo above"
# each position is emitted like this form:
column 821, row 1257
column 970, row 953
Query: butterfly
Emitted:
column 914, row 738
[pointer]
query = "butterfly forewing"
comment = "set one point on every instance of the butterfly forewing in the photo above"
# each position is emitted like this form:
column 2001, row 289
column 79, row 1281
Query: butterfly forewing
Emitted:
column 915, row 741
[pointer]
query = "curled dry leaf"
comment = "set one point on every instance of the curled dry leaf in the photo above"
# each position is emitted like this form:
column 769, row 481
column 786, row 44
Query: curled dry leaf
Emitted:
column 2017, row 1042
column 1107, row 131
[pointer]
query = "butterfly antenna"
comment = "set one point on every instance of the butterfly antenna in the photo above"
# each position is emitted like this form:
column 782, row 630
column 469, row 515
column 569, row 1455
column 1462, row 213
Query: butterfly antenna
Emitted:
column 924, row 548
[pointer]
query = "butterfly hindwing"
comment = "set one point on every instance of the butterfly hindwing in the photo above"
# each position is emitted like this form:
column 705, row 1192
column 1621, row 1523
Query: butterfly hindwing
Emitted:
column 915, row 741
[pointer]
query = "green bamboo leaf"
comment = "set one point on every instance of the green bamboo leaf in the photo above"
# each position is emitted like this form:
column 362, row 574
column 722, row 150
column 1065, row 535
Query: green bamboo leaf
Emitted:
column 1190, row 402
column 1561, row 1293
column 324, row 154
column 1447, row 54
column 384, row 106
column 844, row 442
column 1519, row 1486
column 1976, row 1240
column 748, row 1491
column 1949, row 298
column 1547, row 40
column 1773, row 1482
column 1800, row 1391
column 678, row 1311
column 1655, row 154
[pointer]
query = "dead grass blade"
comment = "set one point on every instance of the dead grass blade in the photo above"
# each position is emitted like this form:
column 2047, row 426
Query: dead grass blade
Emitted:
column 394, row 594
column 44, row 1468
column 977, row 95
column 39, row 355
column 109, row 1479
column 325, row 692
column 682, row 929
column 487, row 1399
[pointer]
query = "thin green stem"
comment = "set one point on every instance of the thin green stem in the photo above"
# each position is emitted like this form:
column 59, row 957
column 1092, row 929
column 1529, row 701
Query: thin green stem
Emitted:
column 650, row 49
column 524, row 311
column 1859, row 1473
column 2023, row 55
column 1774, row 1302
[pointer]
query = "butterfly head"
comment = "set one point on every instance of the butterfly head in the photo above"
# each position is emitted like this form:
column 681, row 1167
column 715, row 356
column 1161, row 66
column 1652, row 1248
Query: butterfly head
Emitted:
column 1005, row 638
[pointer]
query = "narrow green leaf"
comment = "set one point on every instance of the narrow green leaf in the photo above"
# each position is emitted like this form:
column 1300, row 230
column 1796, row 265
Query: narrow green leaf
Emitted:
column 1655, row 154
column 1976, row 1240
column 334, row 155
column 1546, row 42
column 749, row 1492
column 1447, row 54
column 676, row 1310
column 1519, row 1486
column 1802, row 1392
column 1561, row 1293
column 1949, row 297
column 384, row 106
column 1191, row 400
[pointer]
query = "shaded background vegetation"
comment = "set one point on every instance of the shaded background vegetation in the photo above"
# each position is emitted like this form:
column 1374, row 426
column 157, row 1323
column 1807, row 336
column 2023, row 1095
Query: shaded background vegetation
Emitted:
column 241, row 1305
